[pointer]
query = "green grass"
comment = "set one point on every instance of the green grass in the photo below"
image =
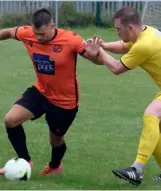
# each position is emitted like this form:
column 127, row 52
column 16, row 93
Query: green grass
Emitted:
column 104, row 135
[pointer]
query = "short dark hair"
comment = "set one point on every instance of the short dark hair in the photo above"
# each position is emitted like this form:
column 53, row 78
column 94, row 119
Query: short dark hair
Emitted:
column 41, row 17
column 128, row 15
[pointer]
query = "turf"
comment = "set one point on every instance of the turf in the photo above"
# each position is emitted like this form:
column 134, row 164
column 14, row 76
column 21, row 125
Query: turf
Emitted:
column 104, row 135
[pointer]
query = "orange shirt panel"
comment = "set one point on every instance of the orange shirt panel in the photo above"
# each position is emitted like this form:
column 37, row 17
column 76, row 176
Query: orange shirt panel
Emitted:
column 55, row 64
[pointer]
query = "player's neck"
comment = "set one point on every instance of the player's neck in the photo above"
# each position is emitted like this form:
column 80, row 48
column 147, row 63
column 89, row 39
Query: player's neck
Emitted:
column 54, row 34
column 138, row 31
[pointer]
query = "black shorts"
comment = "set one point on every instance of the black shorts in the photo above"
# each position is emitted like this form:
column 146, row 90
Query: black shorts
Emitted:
column 58, row 119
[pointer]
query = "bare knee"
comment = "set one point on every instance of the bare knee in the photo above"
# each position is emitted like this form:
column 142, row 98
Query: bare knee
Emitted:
column 154, row 109
column 56, row 140
column 17, row 115
column 10, row 121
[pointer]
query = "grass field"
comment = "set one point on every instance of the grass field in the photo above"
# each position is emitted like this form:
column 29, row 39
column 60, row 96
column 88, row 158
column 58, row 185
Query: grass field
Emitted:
column 104, row 135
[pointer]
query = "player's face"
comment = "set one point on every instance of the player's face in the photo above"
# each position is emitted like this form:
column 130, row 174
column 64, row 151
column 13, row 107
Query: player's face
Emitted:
column 44, row 33
column 124, row 32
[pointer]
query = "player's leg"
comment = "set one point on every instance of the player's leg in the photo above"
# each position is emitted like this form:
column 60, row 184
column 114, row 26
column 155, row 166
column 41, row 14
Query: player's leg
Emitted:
column 58, row 150
column 27, row 107
column 147, row 145
column 59, row 121
column 157, row 151
column 154, row 109
column 13, row 123
column 157, row 155
column 58, row 146
column 13, row 120
column 150, row 134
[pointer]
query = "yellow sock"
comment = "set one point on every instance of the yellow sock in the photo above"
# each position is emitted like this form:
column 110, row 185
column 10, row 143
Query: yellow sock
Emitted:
column 157, row 153
column 149, row 138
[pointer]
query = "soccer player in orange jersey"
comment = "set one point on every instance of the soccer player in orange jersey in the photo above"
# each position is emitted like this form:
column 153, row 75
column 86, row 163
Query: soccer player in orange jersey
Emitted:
column 56, row 93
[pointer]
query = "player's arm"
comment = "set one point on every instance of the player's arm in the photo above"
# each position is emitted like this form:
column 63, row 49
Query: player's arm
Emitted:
column 115, row 66
column 93, row 59
column 8, row 33
column 18, row 33
column 118, row 47
column 80, row 47
column 136, row 56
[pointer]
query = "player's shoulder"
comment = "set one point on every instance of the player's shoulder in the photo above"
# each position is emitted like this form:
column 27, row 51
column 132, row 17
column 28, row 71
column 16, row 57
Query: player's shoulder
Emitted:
column 26, row 31
column 145, row 42
column 147, row 37
column 68, row 33
column 142, row 47
column 25, row 28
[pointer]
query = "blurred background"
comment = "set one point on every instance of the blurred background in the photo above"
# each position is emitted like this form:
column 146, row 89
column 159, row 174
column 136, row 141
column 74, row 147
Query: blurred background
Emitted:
column 73, row 13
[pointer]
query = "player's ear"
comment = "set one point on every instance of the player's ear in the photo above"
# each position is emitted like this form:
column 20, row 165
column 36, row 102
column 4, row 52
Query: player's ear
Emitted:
column 52, row 25
column 130, row 27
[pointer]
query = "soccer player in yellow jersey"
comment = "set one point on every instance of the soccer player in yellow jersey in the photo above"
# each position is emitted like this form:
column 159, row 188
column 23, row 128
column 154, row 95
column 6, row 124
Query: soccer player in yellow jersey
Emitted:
column 141, row 46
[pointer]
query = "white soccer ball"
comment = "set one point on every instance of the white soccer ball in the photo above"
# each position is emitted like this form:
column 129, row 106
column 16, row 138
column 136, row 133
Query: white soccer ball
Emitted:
column 17, row 169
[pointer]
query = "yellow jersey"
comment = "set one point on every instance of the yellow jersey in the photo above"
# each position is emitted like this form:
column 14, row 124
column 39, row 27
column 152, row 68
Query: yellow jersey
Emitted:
column 146, row 53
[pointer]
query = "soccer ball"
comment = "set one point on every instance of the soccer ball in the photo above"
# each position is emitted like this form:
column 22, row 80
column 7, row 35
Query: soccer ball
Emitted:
column 17, row 169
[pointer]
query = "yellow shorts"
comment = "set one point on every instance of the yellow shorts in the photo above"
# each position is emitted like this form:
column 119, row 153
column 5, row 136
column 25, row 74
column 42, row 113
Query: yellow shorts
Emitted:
column 158, row 96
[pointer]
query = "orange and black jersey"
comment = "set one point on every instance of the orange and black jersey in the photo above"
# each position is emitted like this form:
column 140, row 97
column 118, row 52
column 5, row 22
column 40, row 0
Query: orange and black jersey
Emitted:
column 55, row 64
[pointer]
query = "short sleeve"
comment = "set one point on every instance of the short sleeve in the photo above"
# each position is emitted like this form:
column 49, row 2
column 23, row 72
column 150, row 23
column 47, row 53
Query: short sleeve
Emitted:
column 128, row 44
column 22, row 32
column 136, row 56
column 78, row 44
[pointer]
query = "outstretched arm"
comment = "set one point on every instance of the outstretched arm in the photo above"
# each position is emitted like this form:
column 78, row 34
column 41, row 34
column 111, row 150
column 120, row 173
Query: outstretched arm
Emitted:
column 117, row 47
column 115, row 66
column 93, row 59
column 8, row 33
column 135, row 56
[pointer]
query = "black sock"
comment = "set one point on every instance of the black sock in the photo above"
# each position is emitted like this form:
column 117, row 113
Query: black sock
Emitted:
column 17, row 138
column 57, row 155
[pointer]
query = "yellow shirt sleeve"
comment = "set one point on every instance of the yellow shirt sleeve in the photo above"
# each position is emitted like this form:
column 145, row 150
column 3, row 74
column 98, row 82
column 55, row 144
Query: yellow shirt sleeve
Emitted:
column 128, row 44
column 137, row 55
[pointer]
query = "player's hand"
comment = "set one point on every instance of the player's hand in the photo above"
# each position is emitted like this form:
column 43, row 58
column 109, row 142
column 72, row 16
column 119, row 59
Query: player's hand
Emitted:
column 101, row 41
column 92, row 46
column 89, row 40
